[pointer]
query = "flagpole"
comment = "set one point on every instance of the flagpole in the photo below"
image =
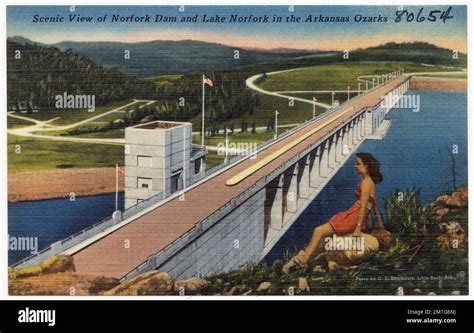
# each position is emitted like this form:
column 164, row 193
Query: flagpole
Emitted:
column 202, row 129
column 116, row 187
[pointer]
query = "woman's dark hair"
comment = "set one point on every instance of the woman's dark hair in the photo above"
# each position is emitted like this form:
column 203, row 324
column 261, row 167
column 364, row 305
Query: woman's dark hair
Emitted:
column 373, row 166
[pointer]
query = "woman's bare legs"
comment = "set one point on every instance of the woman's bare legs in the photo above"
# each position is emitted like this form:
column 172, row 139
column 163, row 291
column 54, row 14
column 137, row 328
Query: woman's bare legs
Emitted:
column 316, row 244
column 317, row 240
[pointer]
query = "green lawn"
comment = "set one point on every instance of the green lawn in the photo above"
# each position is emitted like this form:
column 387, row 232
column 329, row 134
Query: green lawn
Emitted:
column 118, row 133
column 295, row 114
column 39, row 154
column 247, row 137
column 337, row 76
column 98, row 123
column 214, row 159
column 110, row 117
column 164, row 80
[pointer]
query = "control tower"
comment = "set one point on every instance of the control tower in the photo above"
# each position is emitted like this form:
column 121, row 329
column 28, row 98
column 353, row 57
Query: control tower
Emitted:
column 160, row 158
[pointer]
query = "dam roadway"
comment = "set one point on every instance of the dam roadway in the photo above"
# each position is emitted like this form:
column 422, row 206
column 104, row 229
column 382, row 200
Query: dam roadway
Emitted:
column 118, row 250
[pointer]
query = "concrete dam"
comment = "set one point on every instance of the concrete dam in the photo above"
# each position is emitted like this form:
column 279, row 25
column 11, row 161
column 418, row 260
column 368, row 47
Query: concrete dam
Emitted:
column 189, row 222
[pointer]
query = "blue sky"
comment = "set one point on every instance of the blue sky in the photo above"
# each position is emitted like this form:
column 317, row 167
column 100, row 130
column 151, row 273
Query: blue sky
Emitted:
column 312, row 35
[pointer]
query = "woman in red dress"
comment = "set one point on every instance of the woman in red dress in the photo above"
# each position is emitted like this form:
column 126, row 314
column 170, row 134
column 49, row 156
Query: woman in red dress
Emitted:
column 353, row 220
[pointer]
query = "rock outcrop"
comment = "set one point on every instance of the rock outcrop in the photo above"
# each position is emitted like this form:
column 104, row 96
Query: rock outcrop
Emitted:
column 452, row 236
column 56, row 276
column 454, row 203
column 191, row 285
column 57, row 264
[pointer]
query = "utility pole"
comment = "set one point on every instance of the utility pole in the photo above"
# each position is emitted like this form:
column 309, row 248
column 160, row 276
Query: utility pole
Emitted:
column 226, row 146
column 276, row 123
column 314, row 107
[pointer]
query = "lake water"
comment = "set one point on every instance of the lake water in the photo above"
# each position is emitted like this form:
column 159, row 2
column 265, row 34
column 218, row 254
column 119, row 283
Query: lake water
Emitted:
column 413, row 154
column 55, row 219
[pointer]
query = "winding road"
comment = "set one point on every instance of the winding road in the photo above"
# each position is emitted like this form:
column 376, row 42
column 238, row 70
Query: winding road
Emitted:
column 250, row 82
column 45, row 126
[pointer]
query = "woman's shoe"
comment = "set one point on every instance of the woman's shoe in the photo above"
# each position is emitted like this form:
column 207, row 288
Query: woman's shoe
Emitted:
column 295, row 263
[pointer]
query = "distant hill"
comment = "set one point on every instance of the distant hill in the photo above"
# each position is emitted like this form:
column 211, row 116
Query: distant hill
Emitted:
column 413, row 46
column 149, row 59
column 100, row 68
column 41, row 73
column 23, row 40
column 420, row 52
column 153, row 58
column 415, row 52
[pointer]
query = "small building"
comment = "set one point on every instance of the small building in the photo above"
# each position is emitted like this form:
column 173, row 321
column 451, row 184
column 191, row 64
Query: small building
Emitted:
column 160, row 158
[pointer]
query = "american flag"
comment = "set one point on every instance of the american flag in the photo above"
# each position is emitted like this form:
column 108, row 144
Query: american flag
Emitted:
column 121, row 170
column 207, row 81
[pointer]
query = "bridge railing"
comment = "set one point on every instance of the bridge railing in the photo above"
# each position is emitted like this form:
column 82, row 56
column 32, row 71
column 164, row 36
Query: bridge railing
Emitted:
column 62, row 245
column 133, row 210
column 248, row 153
column 154, row 260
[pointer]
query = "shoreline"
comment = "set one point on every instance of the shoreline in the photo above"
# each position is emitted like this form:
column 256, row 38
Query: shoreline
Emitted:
column 60, row 183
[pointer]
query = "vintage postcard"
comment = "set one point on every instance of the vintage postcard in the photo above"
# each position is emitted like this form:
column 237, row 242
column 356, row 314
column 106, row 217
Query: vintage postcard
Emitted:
column 237, row 150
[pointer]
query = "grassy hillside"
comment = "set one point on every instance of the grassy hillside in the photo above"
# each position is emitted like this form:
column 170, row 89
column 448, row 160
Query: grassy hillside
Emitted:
column 71, row 116
column 36, row 74
column 416, row 52
column 419, row 52
column 337, row 76
column 177, row 57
